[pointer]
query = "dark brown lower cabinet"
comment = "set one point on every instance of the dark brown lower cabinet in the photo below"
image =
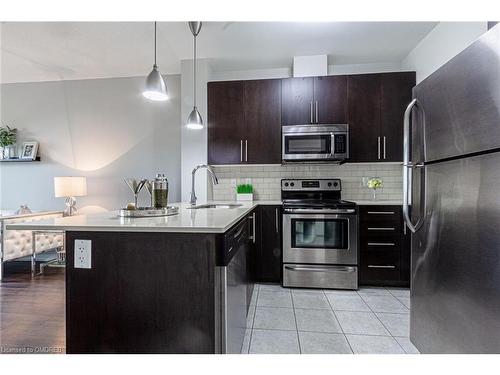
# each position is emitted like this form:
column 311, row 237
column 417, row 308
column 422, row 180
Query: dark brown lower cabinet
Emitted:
column 268, row 244
column 145, row 293
column 384, row 247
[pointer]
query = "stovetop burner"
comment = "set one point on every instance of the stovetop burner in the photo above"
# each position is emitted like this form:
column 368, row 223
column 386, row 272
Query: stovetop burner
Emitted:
column 313, row 193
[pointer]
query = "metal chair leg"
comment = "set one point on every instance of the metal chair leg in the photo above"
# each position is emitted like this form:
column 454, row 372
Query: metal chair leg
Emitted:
column 33, row 254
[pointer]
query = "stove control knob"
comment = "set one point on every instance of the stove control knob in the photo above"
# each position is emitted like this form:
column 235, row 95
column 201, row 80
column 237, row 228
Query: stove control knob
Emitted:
column 329, row 184
column 335, row 184
column 286, row 184
column 292, row 184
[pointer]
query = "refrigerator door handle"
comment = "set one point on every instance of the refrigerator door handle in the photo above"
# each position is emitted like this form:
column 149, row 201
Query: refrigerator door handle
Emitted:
column 407, row 173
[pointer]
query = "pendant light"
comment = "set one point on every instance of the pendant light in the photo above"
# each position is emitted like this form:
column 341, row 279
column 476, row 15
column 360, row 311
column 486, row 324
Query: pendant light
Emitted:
column 155, row 88
column 194, row 120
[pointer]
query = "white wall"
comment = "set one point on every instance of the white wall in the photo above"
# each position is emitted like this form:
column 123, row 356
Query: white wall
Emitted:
column 364, row 68
column 445, row 41
column 287, row 72
column 101, row 128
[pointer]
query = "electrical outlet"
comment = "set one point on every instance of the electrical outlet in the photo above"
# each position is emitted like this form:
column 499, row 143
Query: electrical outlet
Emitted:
column 83, row 254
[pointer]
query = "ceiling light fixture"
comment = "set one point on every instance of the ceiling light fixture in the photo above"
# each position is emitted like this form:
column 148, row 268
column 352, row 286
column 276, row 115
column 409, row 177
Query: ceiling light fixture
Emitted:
column 194, row 120
column 155, row 89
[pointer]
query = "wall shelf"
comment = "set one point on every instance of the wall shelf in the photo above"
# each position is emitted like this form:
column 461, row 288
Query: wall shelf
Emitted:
column 19, row 160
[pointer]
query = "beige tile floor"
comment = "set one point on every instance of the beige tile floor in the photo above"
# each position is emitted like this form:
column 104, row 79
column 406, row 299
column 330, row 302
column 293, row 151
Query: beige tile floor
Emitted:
column 312, row 321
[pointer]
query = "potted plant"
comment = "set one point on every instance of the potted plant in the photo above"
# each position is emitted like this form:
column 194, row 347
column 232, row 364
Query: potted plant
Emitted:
column 244, row 192
column 7, row 141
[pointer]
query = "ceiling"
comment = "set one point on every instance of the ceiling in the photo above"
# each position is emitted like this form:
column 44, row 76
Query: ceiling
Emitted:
column 46, row 51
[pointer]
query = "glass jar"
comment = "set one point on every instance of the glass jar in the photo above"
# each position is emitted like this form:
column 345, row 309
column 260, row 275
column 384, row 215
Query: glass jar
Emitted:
column 160, row 191
column 10, row 152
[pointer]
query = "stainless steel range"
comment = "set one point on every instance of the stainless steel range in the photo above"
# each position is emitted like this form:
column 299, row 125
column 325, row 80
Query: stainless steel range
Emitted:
column 320, row 235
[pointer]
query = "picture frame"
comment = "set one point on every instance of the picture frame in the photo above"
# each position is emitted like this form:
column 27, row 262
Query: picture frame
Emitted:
column 29, row 150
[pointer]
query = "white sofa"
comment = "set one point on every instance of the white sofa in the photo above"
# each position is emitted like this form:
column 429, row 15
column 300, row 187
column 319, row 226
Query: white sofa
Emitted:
column 16, row 244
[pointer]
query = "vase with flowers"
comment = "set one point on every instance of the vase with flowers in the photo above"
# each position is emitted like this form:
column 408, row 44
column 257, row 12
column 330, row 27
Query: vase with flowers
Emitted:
column 375, row 183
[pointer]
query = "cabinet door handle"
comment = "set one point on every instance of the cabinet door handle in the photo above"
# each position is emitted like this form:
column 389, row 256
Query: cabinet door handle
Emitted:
column 382, row 228
column 376, row 266
column 252, row 237
column 277, row 220
column 246, row 149
column 378, row 148
column 384, row 146
column 317, row 112
column 241, row 150
column 381, row 244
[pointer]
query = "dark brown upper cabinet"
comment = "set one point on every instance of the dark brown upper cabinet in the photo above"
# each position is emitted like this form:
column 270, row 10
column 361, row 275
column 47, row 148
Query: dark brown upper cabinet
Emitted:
column 244, row 122
column 226, row 122
column 330, row 99
column 377, row 103
column 395, row 95
column 314, row 100
column 245, row 117
column 263, row 121
column 364, row 117
column 297, row 95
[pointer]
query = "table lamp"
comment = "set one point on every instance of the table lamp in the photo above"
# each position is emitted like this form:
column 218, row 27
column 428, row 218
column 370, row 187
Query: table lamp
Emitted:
column 69, row 188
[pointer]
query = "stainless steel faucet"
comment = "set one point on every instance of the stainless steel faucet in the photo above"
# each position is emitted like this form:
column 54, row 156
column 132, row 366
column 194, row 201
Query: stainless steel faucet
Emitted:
column 212, row 174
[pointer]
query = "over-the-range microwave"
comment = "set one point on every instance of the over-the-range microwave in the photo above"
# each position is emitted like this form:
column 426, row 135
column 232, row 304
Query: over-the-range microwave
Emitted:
column 315, row 143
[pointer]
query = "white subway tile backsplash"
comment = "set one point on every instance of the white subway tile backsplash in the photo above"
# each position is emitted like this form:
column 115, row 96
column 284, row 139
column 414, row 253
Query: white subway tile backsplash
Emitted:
column 266, row 179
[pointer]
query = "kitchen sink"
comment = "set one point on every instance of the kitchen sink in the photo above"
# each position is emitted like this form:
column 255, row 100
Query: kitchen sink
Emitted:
column 215, row 205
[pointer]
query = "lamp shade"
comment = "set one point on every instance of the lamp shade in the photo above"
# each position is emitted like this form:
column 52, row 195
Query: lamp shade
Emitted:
column 194, row 120
column 70, row 186
column 155, row 86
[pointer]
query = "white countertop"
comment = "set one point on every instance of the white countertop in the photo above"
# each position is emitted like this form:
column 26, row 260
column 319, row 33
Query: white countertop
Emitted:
column 11, row 214
column 204, row 220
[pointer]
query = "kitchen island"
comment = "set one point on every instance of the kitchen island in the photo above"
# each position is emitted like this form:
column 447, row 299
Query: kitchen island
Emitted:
column 176, row 284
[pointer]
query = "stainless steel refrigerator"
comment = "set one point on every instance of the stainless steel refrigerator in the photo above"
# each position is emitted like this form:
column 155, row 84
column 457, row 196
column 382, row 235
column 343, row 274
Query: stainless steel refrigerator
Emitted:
column 452, row 203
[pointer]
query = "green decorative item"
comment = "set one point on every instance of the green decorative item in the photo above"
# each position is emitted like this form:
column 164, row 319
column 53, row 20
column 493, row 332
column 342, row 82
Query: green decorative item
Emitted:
column 8, row 137
column 244, row 192
column 375, row 183
column 244, row 189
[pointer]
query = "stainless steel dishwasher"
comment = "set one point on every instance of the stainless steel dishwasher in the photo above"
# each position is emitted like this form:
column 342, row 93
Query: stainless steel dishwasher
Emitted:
column 233, row 282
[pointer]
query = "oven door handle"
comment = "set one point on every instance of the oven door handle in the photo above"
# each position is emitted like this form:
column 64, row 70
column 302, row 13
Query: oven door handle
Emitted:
column 320, row 269
column 319, row 212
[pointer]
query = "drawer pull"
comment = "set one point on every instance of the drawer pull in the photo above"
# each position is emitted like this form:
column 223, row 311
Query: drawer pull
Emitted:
column 375, row 266
column 381, row 228
column 381, row 212
column 320, row 269
column 381, row 244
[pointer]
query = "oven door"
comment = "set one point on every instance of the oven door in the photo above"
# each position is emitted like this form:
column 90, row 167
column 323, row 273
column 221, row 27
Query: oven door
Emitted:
column 307, row 146
column 320, row 238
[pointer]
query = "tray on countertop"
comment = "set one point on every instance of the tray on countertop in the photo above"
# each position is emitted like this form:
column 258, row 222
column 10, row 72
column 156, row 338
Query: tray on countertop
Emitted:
column 149, row 212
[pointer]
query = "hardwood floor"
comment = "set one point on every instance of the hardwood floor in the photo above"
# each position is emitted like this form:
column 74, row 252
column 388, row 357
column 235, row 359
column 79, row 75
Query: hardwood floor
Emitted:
column 32, row 314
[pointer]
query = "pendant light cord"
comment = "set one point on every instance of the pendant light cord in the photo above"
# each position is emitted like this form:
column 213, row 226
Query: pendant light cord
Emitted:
column 194, row 73
column 155, row 43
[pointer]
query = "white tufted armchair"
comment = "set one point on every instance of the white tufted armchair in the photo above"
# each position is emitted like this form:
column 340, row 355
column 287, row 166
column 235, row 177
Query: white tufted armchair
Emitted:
column 16, row 244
